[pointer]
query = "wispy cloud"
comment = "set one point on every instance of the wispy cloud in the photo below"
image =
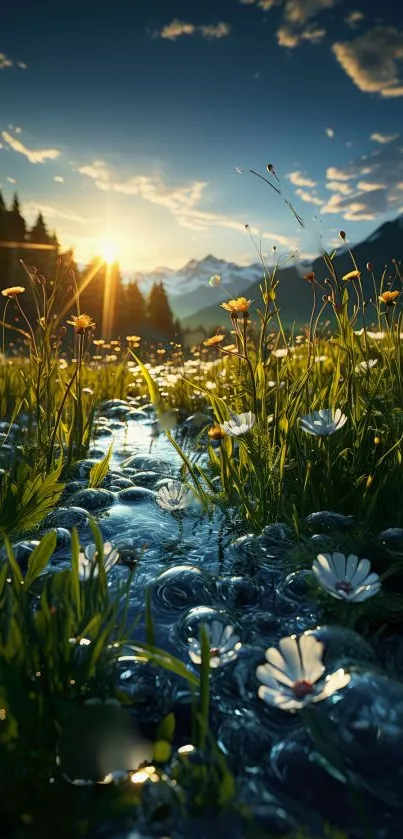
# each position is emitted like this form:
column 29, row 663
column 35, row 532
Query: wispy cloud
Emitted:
column 383, row 138
column 298, row 19
column 372, row 60
column 4, row 61
column 368, row 185
column 330, row 133
column 97, row 170
column 298, row 179
column 11, row 180
column 309, row 197
column 58, row 179
column 34, row 156
column 181, row 201
column 32, row 208
column 354, row 18
column 178, row 28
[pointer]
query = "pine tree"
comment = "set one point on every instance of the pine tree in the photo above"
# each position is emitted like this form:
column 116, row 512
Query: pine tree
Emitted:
column 39, row 233
column 132, row 317
column 159, row 313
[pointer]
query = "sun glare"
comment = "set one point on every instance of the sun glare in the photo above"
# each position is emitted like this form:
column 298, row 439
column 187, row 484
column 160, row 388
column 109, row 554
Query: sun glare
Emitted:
column 108, row 250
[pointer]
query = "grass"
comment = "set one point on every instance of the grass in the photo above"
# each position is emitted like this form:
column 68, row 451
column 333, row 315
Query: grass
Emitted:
column 60, row 638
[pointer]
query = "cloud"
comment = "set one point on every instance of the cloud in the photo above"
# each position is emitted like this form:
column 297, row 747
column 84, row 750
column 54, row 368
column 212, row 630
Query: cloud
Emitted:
column 177, row 28
column 181, row 201
column 372, row 60
column 330, row 133
column 299, row 21
column 338, row 186
column 22, row 65
column 299, row 180
column 309, row 197
column 288, row 241
column 4, row 61
column 262, row 4
column 367, row 186
column 58, row 179
column 383, row 138
column 353, row 18
column 32, row 208
column 11, row 180
column 38, row 156
column 97, row 170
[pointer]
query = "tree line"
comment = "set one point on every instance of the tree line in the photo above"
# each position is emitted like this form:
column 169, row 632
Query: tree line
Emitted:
column 131, row 311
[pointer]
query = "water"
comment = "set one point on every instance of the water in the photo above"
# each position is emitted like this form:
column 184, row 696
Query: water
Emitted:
column 201, row 571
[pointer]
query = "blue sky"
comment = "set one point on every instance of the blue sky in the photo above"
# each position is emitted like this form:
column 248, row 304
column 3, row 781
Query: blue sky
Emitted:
column 127, row 122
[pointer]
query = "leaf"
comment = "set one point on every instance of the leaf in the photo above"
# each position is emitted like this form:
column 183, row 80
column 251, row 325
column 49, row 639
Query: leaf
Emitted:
column 100, row 470
column 166, row 729
column 152, row 387
column 40, row 557
column 162, row 751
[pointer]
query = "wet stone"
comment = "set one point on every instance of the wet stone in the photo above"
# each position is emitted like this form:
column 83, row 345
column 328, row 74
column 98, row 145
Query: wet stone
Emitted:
column 298, row 587
column 328, row 521
column 93, row 499
column 180, row 588
column 392, row 538
column 135, row 495
column 103, row 431
column 147, row 479
column 238, row 592
column 277, row 534
column 66, row 517
column 82, row 468
column 321, row 541
column 120, row 481
column 22, row 552
column 343, row 646
column 63, row 538
column 143, row 462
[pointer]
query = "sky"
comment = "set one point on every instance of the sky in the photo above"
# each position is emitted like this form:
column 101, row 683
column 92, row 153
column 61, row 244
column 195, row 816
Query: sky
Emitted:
column 134, row 125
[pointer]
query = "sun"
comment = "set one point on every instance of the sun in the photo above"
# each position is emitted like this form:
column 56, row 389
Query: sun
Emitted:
column 108, row 250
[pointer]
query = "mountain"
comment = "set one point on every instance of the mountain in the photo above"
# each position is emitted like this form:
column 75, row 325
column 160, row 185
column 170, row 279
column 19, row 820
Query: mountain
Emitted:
column 294, row 294
column 188, row 288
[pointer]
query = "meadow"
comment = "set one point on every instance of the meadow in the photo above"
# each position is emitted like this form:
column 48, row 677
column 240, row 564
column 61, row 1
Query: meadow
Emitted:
column 201, row 579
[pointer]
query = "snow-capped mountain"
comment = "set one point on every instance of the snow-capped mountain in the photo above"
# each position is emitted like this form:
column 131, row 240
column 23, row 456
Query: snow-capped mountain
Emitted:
column 188, row 289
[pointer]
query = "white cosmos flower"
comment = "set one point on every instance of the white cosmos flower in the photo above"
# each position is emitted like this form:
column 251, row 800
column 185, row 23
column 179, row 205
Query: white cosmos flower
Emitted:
column 88, row 561
column 365, row 366
column 294, row 675
column 223, row 641
column 239, row 424
column 346, row 578
column 324, row 422
column 282, row 352
column 175, row 496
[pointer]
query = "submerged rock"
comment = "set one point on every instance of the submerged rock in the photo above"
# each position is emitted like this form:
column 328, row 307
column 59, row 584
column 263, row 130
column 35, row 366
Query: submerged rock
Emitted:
column 93, row 499
column 135, row 495
column 392, row 538
column 66, row 517
column 328, row 521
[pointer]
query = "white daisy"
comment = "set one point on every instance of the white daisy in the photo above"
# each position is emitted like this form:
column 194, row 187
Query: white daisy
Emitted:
column 224, row 645
column 88, row 561
column 294, row 675
column 239, row 424
column 175, row 496
column 365, row 366
column 324, row 422
column 346, row 578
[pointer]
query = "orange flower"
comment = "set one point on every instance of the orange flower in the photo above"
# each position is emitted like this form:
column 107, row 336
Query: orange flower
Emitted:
column 215, row 432
column 240, row 304
column 310, row 278
column 388, row 297
column 215, row 339
column 81, row 323
column 13, row 291
column 352, row 275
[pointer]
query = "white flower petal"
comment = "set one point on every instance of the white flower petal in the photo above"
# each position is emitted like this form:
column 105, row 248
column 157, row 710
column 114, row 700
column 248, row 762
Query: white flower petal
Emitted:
column 339, row 564
column 364, row 567
column 332, row 683
column 289, row 649
column 351, row 567
column 364, row 592
column 312, row 655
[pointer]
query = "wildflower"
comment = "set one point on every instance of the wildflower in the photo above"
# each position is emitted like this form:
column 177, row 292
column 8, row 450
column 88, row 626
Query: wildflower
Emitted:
column 366, row 366
column 377, row 440
column 388, row 297
column 132, row 339
column 280, row 353
column 239, row 424
column 214, row 281
column 88, row 561
column 230, row 348
column 215, row 432
column 324, row 422
column 81, row 323
column 346, row 578
column 42, row 322
column 352, row 275
column 98, row 342
column 310, row 278
column 294, row 675
column 224, row 645
column 376, row 336
column 175, row 496
column 239, row 304
column 215, row 339
column 13, row 291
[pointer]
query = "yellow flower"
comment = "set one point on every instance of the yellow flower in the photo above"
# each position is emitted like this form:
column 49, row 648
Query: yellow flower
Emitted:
column 98, row 342
column 133, row 338
column 230, row 348
column 388, row 297
column 81, row 323
column 13, row 291
column 215, row 339
column 240, row 304
column 215, row 432
column 352, row 275
column 42, row 322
